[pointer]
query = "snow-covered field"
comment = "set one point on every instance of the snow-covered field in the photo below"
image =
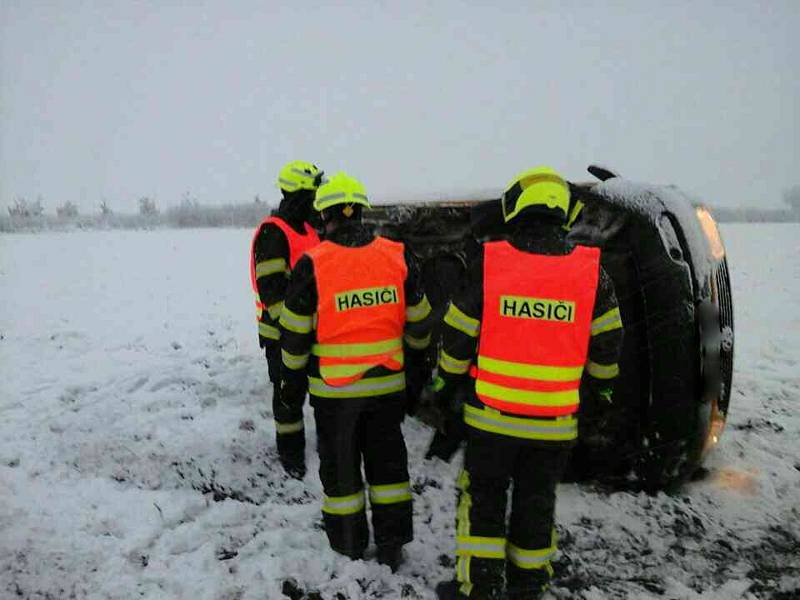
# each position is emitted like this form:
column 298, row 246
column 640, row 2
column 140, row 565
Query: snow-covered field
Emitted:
column 137, row 450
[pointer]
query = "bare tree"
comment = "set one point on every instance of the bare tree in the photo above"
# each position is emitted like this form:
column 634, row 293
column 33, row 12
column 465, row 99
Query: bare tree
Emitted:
column 792, row 197
column 147, row 206
column 37, row 208
column 23, row 208
column 20, row 208
column 67, row 211
column 188, row 201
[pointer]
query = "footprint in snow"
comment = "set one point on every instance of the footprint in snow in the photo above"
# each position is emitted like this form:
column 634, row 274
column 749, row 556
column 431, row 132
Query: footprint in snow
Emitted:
column 138, row 384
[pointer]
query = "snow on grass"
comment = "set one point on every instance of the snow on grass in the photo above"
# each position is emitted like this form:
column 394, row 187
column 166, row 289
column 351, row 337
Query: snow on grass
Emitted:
column 137, row 452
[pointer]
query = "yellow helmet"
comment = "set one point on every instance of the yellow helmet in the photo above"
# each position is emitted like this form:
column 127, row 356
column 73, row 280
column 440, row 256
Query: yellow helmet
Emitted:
column 540, row 186
column 341, row 189
column 299, row 175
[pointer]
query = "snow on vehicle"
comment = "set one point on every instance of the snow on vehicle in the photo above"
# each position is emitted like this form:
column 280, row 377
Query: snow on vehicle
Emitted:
column 668, row 263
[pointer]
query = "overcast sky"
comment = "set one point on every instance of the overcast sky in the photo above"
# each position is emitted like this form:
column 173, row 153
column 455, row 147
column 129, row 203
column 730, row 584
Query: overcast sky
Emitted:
column 118, row 100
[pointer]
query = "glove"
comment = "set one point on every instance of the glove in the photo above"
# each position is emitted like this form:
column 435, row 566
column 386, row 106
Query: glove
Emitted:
column 597, row 397
column 599, row 391
column 428, row 408
column 606, row 394
column 454, row 404
column 450, row 431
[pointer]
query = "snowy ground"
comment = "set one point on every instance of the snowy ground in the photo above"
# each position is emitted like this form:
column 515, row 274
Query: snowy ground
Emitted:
column 137, row 455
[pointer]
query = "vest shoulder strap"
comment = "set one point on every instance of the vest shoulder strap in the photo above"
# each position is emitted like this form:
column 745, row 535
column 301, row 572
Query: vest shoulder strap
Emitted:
column 280, row 224
column 324, row 248
column 387, row 243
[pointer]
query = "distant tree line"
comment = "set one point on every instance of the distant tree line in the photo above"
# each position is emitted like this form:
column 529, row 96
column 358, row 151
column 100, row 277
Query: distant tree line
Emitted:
column 791, row 197
column 755, row 215
column 25, row 215
column 22, row 209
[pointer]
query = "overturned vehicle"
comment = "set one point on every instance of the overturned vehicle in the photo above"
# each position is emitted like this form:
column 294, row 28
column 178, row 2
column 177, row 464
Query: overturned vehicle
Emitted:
column 666, row 258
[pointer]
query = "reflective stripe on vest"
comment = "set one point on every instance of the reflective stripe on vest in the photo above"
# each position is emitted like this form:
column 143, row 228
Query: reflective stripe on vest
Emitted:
column 361, row 388
column 560, row 429
column 361, row 311
column 535, row 329
column 298, row 243
column 335, row 371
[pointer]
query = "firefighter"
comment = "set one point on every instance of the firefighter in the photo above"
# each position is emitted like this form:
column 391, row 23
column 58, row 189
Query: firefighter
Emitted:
column 355, row 327
column 537, row 314
column 278, row 243
column 450, row 433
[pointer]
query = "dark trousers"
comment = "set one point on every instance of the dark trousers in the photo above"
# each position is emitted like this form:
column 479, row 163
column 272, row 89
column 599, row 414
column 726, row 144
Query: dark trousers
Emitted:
column 490, row 552
column 290, row 434
column 367, row 430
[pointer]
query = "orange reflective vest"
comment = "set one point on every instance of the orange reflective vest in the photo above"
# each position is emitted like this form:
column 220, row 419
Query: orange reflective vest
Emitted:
column 534, row 339
column 360, row 308
column 298, row 244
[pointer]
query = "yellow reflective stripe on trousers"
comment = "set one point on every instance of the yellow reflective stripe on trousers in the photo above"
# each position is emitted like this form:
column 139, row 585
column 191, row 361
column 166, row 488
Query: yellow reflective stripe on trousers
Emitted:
column 284, row 428
column 557, row 429
column 453, row 365
column 463, row 529
column 599, row 371
column 268, row 331
column 390, row 493
column 294, row 322
column 464, row 503
column 527, row 371
column 348, row 370
column 344, row 505
column 368, row 386
column 274, row 311
column 417, row 343
column 481, row 547
column 464, row 323
column 270, row 267
column 419, row 311
column 607, row 322
column 294, row 362
column 533, row 559
column 463, row 570
column 507, row 394
column 350, row 350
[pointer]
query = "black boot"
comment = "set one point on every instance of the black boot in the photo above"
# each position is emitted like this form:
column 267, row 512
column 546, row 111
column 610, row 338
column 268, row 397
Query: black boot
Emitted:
column 531, row 591
column 351, row 554
column 292, row 453
column 392, row 556
column 447, row 590
column 294, row 467
column 443, row 446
